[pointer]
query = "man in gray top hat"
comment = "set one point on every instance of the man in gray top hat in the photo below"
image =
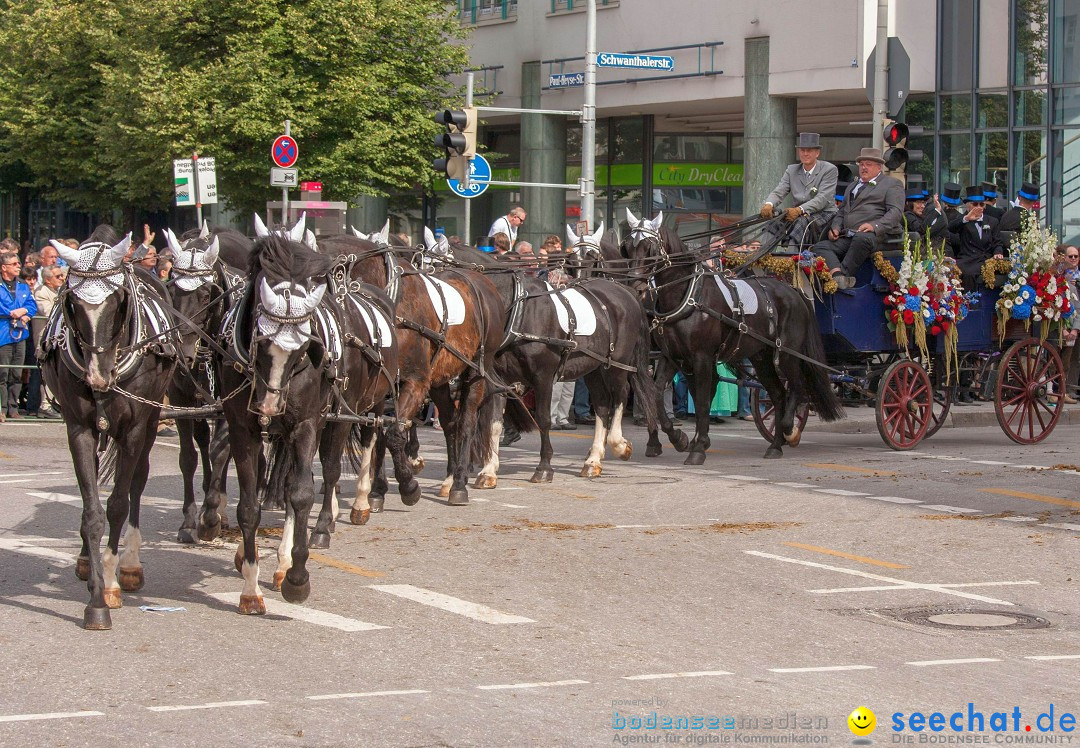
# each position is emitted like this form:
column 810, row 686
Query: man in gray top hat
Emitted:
column 811, row 184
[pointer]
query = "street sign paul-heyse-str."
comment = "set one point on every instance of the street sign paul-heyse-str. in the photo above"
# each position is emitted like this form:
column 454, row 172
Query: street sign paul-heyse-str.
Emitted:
column 566, row 80
column 285, row 151
column 284, row 177
column 479, row 176
column 637, row 62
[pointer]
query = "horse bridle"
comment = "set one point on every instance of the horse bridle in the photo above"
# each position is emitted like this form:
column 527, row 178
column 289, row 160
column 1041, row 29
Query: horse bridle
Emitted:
column 102, row 275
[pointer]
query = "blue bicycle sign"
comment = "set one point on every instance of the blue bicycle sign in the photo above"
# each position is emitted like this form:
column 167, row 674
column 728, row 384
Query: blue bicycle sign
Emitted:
column 479, row 176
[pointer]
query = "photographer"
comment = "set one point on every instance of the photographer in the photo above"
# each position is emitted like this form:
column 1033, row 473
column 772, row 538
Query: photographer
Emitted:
column 17, row 306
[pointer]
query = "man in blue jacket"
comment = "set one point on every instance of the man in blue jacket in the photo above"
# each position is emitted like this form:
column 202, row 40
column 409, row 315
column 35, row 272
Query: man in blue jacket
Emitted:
column 17, row 306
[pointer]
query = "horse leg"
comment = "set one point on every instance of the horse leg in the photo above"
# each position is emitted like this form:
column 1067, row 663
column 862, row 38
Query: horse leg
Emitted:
column 83, row 445
column 768, row 377
column 412, row 449
column 449, row 416
column 488, row 476
column 790, row 423
column 189, row 461
column 245, row 453
column 542, row 391
column 331, row 446
column 465, row 421
column 408, row 488
column 376, row 496
column 299, row 496
column 129, row 452
column 703, row 387
column 600, row 397
column 620, row 445
column 131, row 569
column 665, row 370
column 361, row 509
column 212, row 517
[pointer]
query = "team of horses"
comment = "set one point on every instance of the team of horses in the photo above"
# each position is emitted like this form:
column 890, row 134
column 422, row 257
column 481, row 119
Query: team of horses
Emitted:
column 276, row 351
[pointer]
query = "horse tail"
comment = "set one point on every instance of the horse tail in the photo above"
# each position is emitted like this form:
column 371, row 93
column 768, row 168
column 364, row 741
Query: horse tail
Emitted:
column 644, row 386
column 106, row 469
column 815, row 379
column 354, row 448
column 273, row 496
column 480, row 450
column 519, row 416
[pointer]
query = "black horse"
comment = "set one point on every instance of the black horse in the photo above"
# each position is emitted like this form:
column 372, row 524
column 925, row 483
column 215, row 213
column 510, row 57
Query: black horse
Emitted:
column 594, row 329
column 701, row 317
column 207, row 278
column 108, row 354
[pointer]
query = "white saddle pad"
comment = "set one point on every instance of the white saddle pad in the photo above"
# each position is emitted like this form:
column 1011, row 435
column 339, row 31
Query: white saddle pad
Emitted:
column 454, row 314
column 331, row 333
column 584, row 316
column 744, row 290
column 379, row 327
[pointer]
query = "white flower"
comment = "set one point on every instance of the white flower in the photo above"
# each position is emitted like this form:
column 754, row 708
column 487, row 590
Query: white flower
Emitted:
column 1057, row 301
column 1007, row 303
column 1037, row 316
column 1019, row 300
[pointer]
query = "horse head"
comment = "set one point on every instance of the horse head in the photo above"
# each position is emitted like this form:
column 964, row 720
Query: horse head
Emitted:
column 195, row 285
column 643, row 248
column 381, row 237
column 96, row 303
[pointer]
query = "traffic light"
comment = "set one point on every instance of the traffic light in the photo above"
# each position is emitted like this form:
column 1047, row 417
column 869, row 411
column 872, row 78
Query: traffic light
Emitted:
column 897, row 156
column 459, row 142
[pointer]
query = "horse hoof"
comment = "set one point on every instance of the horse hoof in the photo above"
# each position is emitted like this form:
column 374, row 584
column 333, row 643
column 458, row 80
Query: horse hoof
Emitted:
column 279, row 577
column 224, row 520
column 485, row 481
column 417, row 465
column 653, row 450
column 96, row 619
column 410, row 494
column 681, row 442
column 319, row 540
column 207, row 533
column 252, row 605
column 794, row 439
column 626, row 454
column 131, row 580
column 113, row 599
column 444, row 491
column 185, row 536
column 333, row 526
column 359, row 516
column 695, row 458
column 376, row 503
column 458, row 497
column 82, row 568
column 773, row 452
column 295, row 593
column 542, row 475
column 590, row 470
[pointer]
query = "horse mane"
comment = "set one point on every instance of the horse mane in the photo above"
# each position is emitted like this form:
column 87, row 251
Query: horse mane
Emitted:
column 279, row 259
column 105, row 234
column 466, row 253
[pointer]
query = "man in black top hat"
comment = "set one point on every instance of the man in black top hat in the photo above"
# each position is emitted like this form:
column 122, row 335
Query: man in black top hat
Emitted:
column 1027, row 199
column 811, row 184
column 975, row 238
column 990, row 192
column 921, row 215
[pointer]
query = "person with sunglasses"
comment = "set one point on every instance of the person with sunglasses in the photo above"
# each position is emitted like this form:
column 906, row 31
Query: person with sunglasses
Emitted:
column 17, row 306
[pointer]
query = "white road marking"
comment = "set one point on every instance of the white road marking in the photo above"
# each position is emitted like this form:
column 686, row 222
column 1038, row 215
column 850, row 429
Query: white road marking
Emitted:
column 211, row 705
column 60, row 498
column 455, row 605
column 498, row 503
column 166, row 444
column 1019, row 519
column 29, row 475
column 899, row 584
column 508, row 686
column 1052, row 657
column 895, row 499
column 969, row 660
column 742, row 477
column 48, row 715
column 27, row 547
column 950, row 509
column 879, row 588
column 795, row 485
column 690, row 674
column 301, row 613
column 18, row 480
column 332, row 696
column 839, row 492
column 988, row 462
column 822, row 669
column 67, row 498
column 1062, row 525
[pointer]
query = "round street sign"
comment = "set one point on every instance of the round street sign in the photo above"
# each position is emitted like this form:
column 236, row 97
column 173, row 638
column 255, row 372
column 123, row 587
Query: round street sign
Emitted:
column 285, row 151
column 479, row 176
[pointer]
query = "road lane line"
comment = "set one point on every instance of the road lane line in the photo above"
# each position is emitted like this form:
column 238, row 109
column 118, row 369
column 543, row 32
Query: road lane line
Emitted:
column 895, row 499
column 849, row 469
column 795, row 485
column 742, row 477
column 966, row 661
column 300, row 613
column 989, row 462
column 48, row 715
column 878, row 588
column 1062, row 525
column 29, row 475
column 1032, row 497
column 60, row 498
column 950, row 509
column 333, row 696
column 210, row 705
column 1052, row 657
column 689, row 674
column 839, row 492
column 508, row 686
column 822, row 669
column 450, row 604
column 23, row 546
column 848, row 556
column 18, row 480
column 1019, row 519
column 345, row 566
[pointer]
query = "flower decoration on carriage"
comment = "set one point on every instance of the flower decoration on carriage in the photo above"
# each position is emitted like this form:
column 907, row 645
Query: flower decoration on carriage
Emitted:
column 908, row 308
column 811, row 263
column 1036, row 288
column 949, row 304
column 785, row 267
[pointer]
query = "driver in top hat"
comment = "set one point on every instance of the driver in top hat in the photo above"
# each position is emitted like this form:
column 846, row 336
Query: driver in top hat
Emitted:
column 811, row 184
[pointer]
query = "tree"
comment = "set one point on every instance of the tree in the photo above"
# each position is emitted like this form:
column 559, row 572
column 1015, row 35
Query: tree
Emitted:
column 97, row 98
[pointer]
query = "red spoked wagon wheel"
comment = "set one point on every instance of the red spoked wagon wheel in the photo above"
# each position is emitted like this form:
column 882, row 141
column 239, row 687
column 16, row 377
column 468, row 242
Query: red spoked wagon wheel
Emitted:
column 765, row 414
column 904, row 405
column 943, row 400
column 1026, row 374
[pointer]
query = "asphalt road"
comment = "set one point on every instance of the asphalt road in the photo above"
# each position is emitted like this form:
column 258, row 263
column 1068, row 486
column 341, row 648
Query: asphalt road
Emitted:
column 767, row 598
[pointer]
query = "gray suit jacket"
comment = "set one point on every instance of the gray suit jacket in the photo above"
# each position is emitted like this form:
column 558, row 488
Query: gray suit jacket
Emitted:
column 812, row 195
column 881, row 204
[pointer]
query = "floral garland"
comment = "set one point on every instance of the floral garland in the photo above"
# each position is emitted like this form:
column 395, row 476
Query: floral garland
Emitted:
column 992, row 268
column 949, row 305
column 885, row 268
column 785, row 267
column 1035, row 289
column 907, row 305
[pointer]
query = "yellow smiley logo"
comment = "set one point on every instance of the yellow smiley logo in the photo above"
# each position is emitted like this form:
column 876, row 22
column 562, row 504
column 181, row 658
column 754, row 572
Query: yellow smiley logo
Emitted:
column 862, row 721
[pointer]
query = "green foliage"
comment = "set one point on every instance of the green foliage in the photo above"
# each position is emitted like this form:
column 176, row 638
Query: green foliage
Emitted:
column 97, row 97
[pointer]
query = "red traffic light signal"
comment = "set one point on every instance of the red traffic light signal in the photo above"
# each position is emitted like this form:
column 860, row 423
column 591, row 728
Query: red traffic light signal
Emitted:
column 895, row 134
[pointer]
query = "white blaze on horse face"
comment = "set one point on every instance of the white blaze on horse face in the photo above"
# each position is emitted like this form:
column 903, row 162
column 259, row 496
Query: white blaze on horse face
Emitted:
column 97, row 373
column 271, row 403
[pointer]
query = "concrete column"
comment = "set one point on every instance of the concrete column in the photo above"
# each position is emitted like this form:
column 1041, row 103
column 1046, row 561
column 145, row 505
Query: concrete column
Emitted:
column 543, row 159
column 769, row 124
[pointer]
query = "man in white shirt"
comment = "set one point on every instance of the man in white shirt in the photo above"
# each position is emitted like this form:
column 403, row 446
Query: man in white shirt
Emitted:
column 509, row 224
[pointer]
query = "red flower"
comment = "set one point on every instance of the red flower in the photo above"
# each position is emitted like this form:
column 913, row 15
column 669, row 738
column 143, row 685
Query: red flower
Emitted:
column 913, row 291
column 945, row 325
column 909, row 318
column 935, row 330
column 894, row 316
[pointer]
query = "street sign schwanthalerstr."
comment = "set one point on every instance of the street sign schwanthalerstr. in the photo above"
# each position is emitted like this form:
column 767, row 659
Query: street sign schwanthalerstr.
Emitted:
column 284, row 177
column 635, row 61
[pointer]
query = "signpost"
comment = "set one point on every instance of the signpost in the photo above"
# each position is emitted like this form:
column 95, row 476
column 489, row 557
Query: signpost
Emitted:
column 635, row 61
column 566, row 80
column 479, row 176
column 284, row 177
column 195, row 182
column 285, row 152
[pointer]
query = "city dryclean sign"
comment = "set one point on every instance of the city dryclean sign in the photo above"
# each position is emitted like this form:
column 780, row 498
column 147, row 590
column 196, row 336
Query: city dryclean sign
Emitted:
column 636, row 62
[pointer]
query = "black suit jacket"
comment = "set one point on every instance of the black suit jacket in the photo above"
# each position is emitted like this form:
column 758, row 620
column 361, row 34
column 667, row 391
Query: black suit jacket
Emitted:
column 973, row 248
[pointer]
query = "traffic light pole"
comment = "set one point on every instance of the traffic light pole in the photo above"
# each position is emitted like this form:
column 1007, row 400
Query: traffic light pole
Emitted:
column 881, row 74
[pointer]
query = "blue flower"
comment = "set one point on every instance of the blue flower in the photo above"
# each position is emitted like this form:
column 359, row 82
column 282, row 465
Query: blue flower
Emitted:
column 1021, row 311
column 912, row 302
column 1027, row 291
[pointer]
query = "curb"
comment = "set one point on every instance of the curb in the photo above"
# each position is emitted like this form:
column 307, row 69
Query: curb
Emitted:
column 978, row 416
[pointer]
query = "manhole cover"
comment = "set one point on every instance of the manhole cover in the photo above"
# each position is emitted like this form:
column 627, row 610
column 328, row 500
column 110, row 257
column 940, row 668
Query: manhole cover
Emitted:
column 960, row 619
column 979, row 620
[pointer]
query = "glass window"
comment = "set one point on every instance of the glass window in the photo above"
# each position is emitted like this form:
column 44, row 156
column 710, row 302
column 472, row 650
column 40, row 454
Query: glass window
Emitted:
column 1066, row 216
column 919, row 110
column 992, row 158
column 1067, row 106
column 505, row 143
column 1029, row 159
column 955, row 159
column 925, row 165
column 993, row 36
column 1030, row 108
column 956, row 112
column 705, row 148
column 1031, row 42
column 958, row 32
column 1066, row 55
column 627, row 141
column 993, row 110
column 737, row 152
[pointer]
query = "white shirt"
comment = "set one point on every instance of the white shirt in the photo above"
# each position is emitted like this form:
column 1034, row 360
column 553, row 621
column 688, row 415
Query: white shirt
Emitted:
column 503, row 226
